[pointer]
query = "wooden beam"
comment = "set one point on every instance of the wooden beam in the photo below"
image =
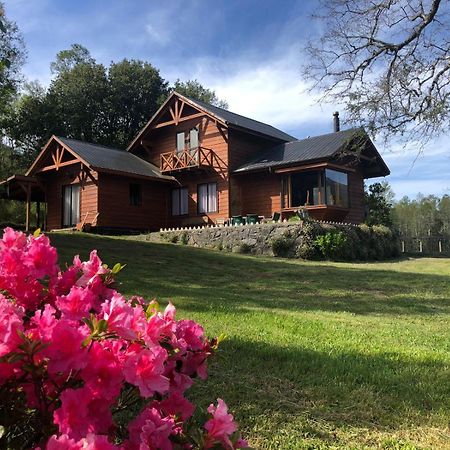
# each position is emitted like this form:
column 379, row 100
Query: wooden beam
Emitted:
column 177, row 117
column 182, row 119
column 57, row 166
column 181, row 110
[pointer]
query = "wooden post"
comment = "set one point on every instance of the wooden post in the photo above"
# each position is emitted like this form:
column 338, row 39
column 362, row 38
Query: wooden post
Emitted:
column 403, row 246
column 28, row 207
column 38, row 214
column 420, row 246
column 440, row 246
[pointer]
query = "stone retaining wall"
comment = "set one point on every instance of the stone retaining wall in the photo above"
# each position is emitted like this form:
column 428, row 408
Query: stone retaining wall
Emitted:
column 288, row 239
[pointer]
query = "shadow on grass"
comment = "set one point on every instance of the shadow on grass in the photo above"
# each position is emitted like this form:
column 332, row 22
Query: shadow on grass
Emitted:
column 202, row 279
column 342, row 389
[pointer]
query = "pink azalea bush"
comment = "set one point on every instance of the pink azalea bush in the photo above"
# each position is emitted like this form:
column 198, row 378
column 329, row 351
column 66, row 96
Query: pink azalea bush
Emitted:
column 75, row 354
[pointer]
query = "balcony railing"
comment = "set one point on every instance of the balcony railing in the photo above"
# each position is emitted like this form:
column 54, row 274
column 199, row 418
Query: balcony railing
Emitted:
column 189, row 158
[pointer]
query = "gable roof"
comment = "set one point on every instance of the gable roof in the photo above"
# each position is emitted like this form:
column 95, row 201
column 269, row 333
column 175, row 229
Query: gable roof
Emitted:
column 322, row 147
column 102, row 158
column 226, row 117
column 233, row 119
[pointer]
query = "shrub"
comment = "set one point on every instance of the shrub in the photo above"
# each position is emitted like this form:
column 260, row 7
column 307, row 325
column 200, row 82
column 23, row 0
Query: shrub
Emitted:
column 75, row 354
column 245, row 248
column 283, row 245
column 331, row 244
column 184, row 238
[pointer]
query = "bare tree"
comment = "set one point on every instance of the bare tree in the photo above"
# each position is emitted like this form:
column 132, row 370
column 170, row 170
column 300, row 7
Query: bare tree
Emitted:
column 388, row 61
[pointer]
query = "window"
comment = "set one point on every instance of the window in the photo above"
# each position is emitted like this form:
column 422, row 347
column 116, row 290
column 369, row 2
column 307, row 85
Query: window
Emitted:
column 207, row 198
column 193, row 138
column 317, row 187
column 337, row 188
column 135, row 194
column 71, row 205
column 307, row 189
column 180, row 142
column 180, row 198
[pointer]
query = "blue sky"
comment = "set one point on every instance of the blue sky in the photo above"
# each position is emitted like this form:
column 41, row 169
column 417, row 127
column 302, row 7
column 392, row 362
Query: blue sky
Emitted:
column 249, row 51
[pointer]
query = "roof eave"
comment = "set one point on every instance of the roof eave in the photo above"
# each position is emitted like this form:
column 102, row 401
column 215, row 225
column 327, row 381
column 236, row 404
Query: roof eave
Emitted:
column 162, row 178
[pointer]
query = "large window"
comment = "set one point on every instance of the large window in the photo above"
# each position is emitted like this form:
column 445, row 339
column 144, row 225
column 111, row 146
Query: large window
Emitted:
column 180, row 142
column 337, row 188
column 180, row 199
column 307, row 189
column 135, row 194
column 207, row 198
column 317, row 187
column 71, row 205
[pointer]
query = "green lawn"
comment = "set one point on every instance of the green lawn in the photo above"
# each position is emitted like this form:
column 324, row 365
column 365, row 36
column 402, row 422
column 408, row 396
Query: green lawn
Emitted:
column 318, row 355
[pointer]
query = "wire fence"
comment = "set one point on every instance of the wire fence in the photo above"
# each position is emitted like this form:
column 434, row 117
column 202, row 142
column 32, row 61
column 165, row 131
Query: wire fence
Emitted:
column 427, row 245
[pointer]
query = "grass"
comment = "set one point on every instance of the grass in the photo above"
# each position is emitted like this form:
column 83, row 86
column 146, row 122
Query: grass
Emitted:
column 319, row 355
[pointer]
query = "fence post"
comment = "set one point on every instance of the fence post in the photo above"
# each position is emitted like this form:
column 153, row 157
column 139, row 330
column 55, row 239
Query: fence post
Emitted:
column 440, row 246
column 420, row 246
column 403, row 246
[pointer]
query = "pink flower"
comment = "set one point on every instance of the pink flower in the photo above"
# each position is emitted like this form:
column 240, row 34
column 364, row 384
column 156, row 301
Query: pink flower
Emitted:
column 145, row 370
column 127, row 321
column 71, row 417
column 80, row 414
column 91, row 269
column 63, row 442
column 151, row 431
column 76, row 304
column 43, row 322
column 97, row 442
column 10, row 324
column 65, row 352
column 102, row 373
column 177, row 405
column 220, row 426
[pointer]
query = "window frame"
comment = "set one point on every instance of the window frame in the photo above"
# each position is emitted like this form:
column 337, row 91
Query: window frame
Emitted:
column 135, row 195
column 216, row 207
column 347, row 188
column 179, row 190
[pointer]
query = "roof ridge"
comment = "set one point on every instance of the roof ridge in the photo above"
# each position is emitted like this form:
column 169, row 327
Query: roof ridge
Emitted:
column 206, row 105
column 91, row 143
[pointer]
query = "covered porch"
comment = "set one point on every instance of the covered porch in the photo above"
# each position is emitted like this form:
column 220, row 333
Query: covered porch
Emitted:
column 27, row 189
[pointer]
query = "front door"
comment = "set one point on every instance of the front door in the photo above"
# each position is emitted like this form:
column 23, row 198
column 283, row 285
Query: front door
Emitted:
column 71, row 205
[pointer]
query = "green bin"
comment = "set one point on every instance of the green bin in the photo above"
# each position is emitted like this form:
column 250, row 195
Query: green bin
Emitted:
column 237, row 220
column 252, row 218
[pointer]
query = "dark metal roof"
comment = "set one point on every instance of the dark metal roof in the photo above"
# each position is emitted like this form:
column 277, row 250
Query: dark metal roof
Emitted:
column 237, row 120
column 112, row 159
column 315, row 148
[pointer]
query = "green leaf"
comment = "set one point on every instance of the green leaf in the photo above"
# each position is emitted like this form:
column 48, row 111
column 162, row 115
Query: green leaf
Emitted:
column 37, row 233
column 117, row 268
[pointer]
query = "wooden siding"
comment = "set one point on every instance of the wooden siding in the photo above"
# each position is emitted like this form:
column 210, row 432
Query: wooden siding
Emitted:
column 54, row 182
column 163, row 140
column 356, row 198
column 260, row 193
column 115, row 209
column 243, row 147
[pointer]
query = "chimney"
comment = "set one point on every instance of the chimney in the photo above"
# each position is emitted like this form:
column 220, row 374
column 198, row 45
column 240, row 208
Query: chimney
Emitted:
column 336, row 124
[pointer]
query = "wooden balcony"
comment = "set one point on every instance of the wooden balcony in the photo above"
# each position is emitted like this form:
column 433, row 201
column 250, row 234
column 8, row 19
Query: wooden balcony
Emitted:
column 190, row 158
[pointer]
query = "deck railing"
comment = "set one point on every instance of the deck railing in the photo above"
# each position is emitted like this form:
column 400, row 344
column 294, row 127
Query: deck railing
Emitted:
column 186, row 159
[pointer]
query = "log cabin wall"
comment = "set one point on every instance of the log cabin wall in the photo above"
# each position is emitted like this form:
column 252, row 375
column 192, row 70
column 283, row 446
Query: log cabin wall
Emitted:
column 163, row 140
column 116, row 210
column 356, row 198
column 243, row 147
column 54, row 182
column 260, row 193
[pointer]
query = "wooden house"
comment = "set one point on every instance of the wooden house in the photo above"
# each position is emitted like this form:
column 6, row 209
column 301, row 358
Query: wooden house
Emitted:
column 194, row 163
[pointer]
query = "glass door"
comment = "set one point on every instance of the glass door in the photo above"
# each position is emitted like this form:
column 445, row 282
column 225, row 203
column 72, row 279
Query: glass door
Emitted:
column 71, row 205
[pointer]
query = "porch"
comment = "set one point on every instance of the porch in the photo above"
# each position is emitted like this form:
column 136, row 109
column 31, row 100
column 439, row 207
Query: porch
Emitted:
column 27, row 189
